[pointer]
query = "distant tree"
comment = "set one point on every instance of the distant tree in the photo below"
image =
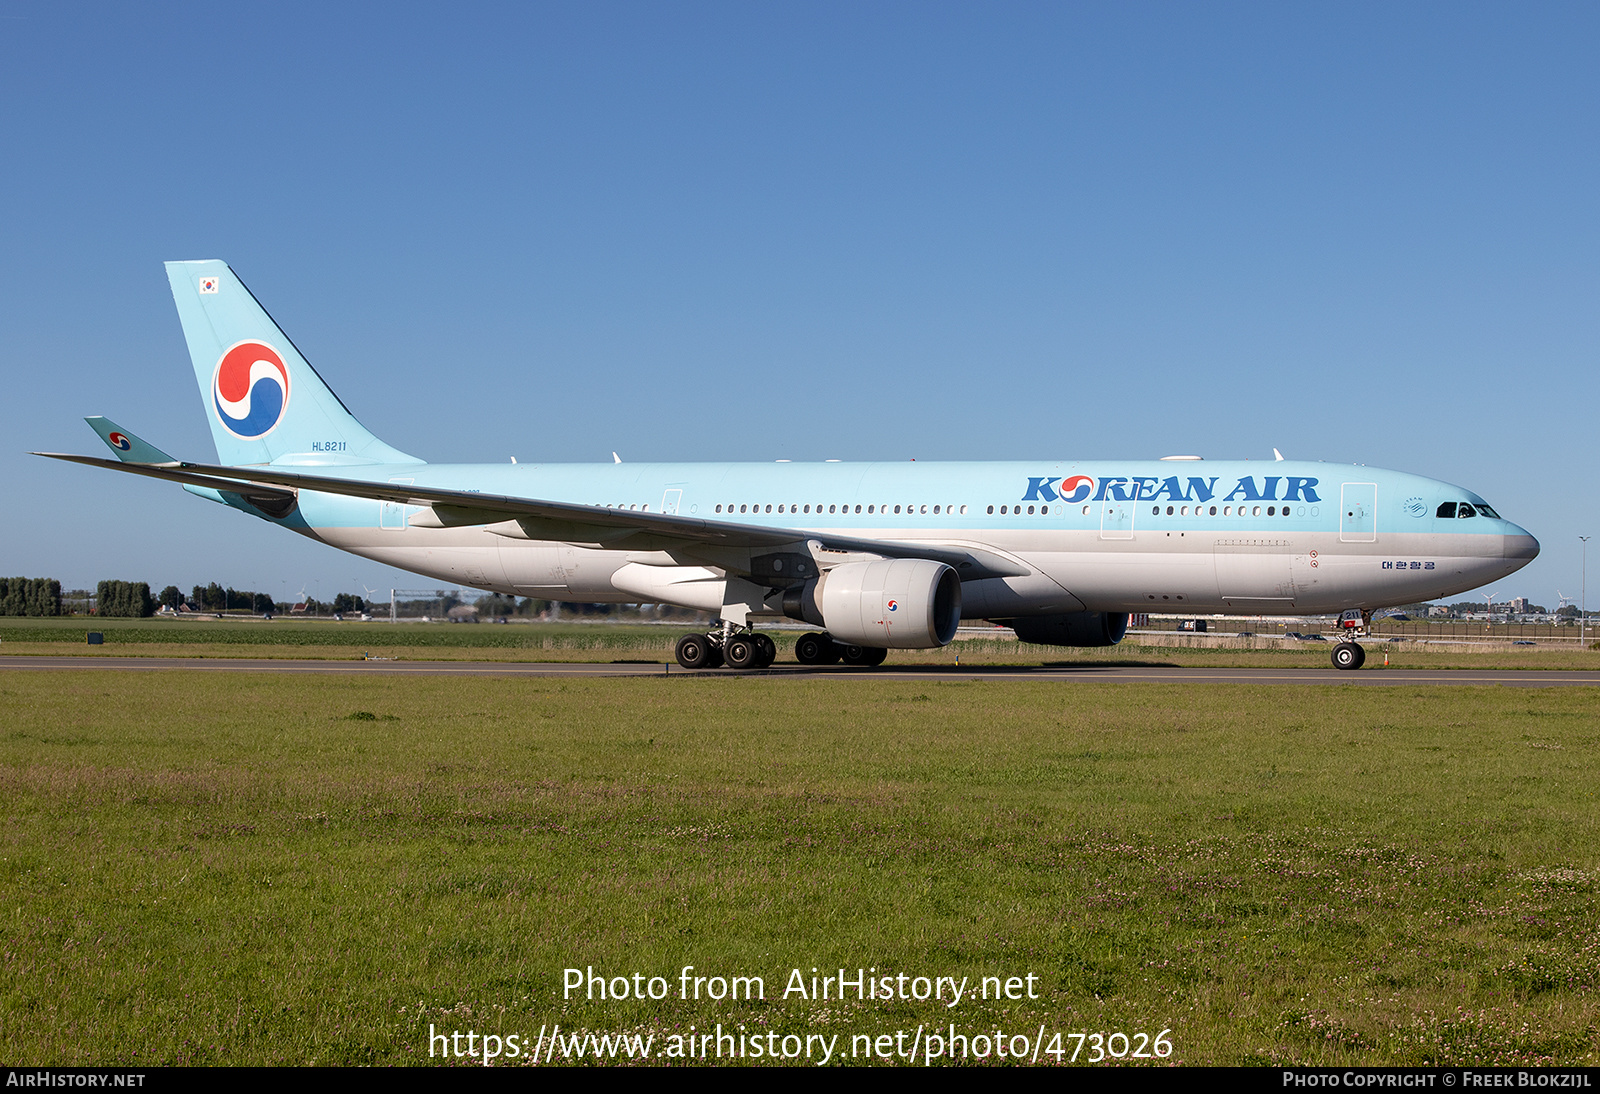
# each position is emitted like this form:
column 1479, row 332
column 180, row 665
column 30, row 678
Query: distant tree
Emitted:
column 262, row 604
column 125, row 599
column 171, row 597
column 30, row 596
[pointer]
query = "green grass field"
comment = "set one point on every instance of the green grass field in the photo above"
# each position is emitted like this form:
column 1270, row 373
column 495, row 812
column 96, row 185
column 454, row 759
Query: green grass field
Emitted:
column 242, row 869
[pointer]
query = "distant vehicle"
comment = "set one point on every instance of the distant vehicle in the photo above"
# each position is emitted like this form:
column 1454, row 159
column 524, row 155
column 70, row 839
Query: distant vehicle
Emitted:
column 1245, row 634
column 1522, row 642
column 1192, row 625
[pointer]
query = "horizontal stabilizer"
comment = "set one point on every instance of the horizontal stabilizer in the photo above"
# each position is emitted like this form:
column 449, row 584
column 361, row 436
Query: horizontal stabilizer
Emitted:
column 273, row 500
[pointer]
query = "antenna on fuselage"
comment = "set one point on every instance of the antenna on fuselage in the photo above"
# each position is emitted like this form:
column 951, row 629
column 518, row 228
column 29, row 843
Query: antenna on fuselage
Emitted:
column 615, row 458
column 1277, row 455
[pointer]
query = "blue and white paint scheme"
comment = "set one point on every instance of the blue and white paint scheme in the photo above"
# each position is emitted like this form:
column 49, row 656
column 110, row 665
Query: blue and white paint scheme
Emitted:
column 882, row 555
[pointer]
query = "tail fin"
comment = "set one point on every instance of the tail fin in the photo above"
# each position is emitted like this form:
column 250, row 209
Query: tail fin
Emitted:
column 129, row 449
column 265, row 402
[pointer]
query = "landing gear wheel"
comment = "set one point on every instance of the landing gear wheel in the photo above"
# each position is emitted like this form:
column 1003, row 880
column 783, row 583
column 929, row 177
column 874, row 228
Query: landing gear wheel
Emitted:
column 1348, row 655
column 813, row 649
column 694, row 652
column 863, row 656
column 769, row 650
column 742, row 652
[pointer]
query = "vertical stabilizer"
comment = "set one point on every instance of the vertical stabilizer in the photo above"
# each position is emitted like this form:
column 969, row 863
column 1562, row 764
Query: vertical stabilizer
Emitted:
column 265, row 402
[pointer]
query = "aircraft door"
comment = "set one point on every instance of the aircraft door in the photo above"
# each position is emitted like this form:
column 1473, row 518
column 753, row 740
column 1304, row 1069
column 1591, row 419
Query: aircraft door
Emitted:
column 670, row 500
column 1358, row 512
column 392, row 514
column 1116, row 517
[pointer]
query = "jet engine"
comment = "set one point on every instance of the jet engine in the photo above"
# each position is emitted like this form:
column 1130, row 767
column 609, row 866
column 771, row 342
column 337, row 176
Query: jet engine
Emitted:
column 903, row 603
column 1071, row 628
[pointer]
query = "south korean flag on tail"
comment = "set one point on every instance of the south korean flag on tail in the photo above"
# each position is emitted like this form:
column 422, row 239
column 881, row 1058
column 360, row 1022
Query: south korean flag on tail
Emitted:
column 208, row 285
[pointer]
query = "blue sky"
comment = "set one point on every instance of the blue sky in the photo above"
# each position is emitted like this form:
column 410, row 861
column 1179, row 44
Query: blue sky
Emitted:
column 1359, row 233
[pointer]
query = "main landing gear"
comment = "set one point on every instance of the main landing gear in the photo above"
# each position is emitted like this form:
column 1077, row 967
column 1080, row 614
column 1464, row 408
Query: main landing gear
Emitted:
column 749, row 650
column 823, row 649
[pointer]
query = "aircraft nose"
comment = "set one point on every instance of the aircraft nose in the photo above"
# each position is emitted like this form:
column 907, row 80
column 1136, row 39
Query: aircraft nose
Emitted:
column 1521, row 546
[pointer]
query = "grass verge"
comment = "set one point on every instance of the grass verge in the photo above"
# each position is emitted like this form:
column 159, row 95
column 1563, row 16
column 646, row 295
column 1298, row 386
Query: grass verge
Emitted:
column 247, row 870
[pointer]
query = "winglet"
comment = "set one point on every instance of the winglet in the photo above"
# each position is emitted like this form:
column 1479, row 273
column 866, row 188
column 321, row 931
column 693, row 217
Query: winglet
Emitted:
column 129, row 449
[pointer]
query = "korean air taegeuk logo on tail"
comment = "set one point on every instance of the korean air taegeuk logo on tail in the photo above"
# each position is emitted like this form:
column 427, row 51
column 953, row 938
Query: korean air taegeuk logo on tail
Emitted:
column 250, row 389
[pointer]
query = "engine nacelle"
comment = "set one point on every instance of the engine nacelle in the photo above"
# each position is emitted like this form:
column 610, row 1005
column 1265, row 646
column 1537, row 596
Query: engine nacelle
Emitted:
column 1072, row 628
column 901, row 604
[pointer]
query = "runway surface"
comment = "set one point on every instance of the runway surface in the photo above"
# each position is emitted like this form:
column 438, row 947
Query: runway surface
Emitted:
column 1077, row 673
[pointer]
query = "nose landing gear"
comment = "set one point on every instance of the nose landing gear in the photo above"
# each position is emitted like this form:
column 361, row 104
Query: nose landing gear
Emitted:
column 1356, row 623
column 1348, row 655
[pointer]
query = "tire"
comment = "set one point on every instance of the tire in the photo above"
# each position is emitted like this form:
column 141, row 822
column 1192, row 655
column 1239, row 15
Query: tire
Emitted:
column 768, row 648
column 742, row 652
column 811, row 649
column 693, row 651
column 1348, row 656
column 863, row 656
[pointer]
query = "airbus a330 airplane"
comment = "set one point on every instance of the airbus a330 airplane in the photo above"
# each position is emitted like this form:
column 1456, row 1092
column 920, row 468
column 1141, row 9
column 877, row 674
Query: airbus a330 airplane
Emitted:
column 881, row 556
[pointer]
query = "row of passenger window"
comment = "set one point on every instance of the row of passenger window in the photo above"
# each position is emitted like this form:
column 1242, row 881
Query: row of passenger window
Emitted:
column 1155, row 510
column 909, row 510
column 1227, row 510
column 1448, row 509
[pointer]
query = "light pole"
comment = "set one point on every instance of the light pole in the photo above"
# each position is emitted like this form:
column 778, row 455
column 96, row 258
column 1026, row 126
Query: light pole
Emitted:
column 1583, row 611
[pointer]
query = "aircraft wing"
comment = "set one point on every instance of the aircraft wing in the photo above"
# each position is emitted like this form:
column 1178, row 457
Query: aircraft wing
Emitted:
column 566, row 522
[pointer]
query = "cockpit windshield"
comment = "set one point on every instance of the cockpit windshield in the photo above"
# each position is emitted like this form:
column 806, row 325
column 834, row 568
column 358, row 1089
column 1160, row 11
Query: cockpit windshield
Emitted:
column 1464, row 509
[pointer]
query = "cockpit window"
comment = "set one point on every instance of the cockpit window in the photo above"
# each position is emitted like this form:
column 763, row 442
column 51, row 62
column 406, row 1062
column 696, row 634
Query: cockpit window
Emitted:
column 1465, row 511
column 1448, row 509
column 1490, row 513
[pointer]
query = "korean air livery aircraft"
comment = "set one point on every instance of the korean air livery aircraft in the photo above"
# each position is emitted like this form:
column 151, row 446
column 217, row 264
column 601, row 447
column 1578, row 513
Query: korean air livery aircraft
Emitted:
column 877, row 556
